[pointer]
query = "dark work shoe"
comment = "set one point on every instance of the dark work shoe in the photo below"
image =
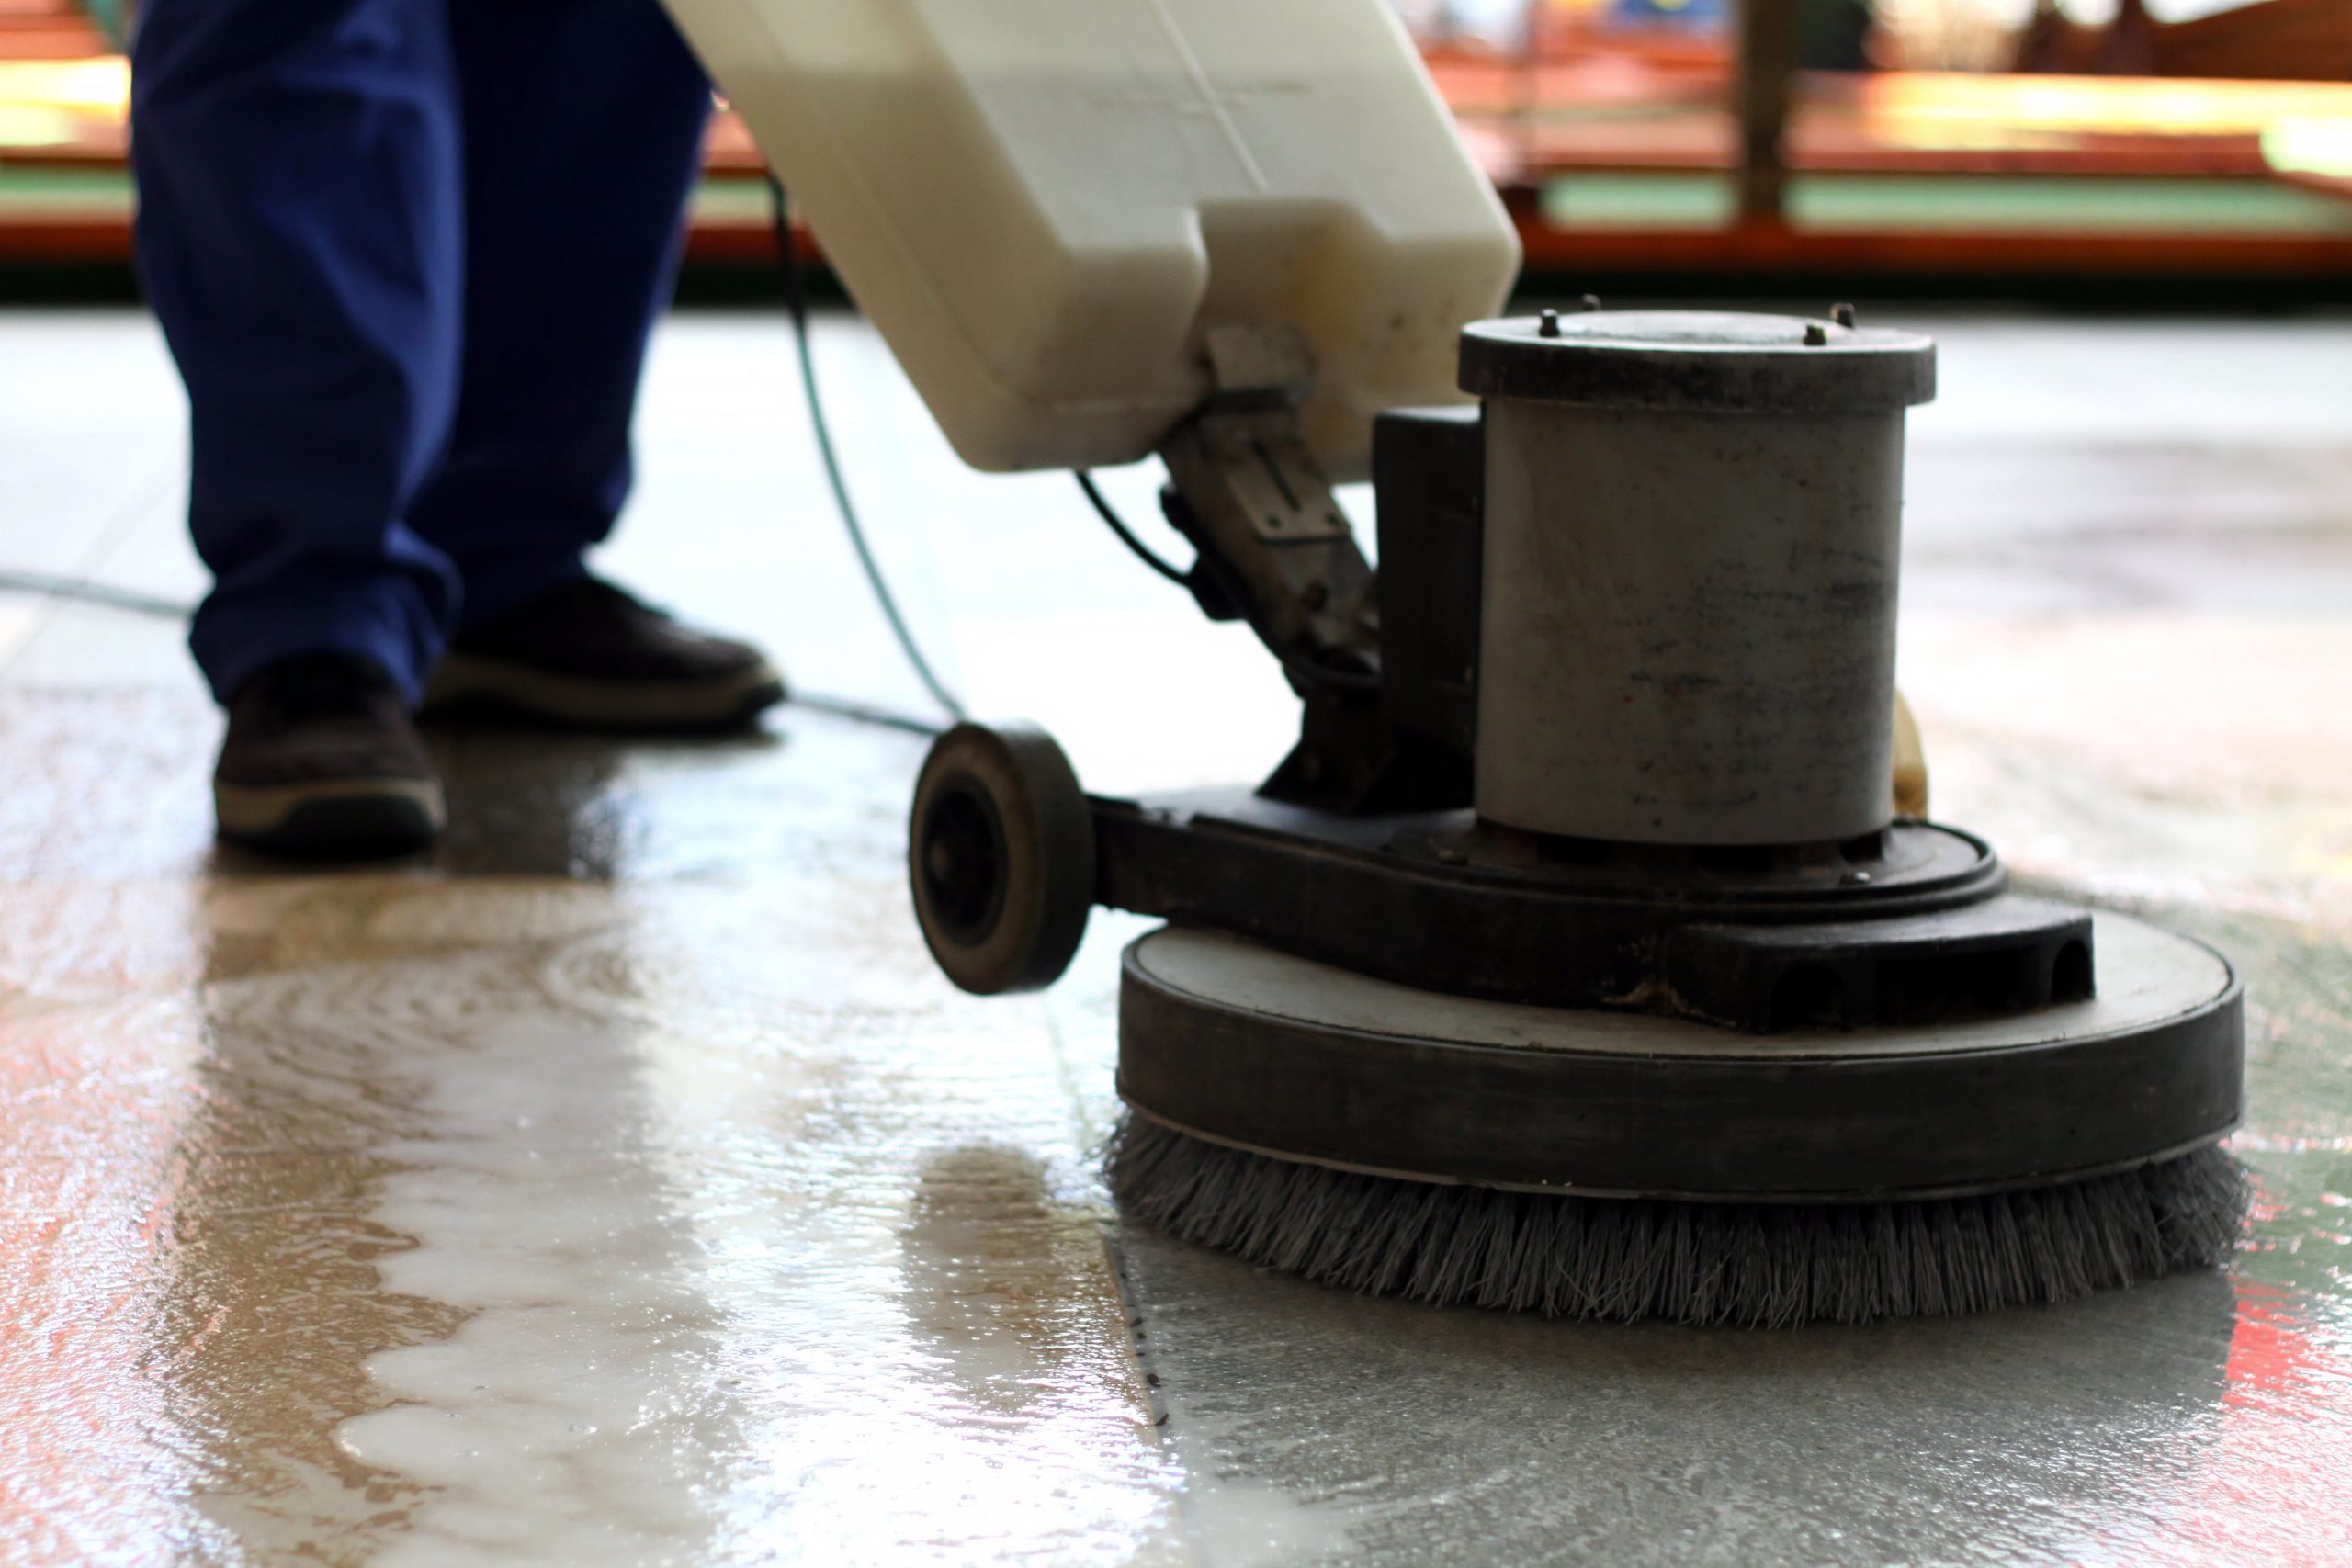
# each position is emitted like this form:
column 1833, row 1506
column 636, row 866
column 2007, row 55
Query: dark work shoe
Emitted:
column 588, row 656
column 323, row 759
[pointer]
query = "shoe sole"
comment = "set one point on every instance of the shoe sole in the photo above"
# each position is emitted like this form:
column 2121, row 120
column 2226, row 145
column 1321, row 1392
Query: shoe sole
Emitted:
column 639, row 707
column 342, row 818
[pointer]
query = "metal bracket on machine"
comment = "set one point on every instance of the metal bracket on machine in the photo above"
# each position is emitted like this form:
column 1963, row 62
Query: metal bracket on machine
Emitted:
column 1247, row 491
column 1276, row 550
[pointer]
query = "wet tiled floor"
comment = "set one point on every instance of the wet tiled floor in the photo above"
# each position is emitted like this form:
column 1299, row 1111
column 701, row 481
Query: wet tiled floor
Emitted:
column 621, row 1184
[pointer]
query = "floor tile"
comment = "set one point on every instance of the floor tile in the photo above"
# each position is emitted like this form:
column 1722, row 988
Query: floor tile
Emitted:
column 622, row 1183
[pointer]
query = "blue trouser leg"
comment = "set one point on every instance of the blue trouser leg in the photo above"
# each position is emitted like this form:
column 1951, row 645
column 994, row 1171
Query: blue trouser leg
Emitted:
column 407, row 253
column 583, row 129
column 300, row 233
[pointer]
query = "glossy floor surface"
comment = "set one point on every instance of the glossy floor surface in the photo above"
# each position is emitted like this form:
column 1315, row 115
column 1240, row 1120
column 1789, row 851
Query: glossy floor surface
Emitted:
column 621, row 1184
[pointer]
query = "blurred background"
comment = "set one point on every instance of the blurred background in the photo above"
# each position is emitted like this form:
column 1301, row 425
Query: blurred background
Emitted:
column 2077, row 149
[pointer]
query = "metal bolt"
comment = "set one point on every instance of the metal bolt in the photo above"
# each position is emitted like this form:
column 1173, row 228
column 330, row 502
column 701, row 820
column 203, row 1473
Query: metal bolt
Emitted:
column 1549, row 326
column 1855, row 879
column 1590, row 302
column 1816, row 334
column 1842, row 314
column 1449, row 855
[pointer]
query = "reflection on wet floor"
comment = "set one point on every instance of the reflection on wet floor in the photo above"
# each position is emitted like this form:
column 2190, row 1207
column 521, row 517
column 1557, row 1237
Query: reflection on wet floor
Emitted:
column 2197, row 1420
column 493, row 1212
column 623, row 1185
column 442, row 1215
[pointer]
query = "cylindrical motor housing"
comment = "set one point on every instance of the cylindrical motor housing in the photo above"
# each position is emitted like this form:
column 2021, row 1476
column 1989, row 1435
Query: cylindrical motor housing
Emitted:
column 1692, row 524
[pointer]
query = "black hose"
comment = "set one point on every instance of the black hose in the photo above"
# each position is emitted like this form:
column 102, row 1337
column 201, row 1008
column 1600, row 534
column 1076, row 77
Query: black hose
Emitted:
column 1143, row 552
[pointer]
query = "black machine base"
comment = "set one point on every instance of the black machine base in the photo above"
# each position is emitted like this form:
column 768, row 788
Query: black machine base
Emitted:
column 1912, row 925
column 1237, row 1044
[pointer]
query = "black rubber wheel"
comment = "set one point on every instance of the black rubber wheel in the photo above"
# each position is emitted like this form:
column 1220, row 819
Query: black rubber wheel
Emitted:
column 1000, row 857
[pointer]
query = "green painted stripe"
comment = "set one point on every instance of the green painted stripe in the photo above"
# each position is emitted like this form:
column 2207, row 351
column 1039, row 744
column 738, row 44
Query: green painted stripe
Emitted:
column 66, row 193
column 1947, row 203
column 732, row 199
column 28, row 190
column 1952, row 203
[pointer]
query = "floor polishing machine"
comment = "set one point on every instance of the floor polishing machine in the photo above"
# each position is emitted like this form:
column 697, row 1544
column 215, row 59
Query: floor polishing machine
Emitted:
column 1578, row 959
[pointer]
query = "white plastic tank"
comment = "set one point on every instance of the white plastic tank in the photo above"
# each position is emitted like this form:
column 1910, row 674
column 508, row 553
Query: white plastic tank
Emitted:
column 1042, row 204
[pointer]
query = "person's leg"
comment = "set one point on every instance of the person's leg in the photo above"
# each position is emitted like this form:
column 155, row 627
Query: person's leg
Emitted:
column 300, row 231
column 583, row 136
column 584, row 123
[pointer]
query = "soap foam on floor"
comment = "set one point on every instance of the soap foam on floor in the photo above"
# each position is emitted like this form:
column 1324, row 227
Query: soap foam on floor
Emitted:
column 754, row 1276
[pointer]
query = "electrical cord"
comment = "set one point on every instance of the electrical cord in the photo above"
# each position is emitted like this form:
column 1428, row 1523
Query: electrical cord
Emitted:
column 796, row 300
column 76, row 589
column 49, row 587
column 863, row 713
